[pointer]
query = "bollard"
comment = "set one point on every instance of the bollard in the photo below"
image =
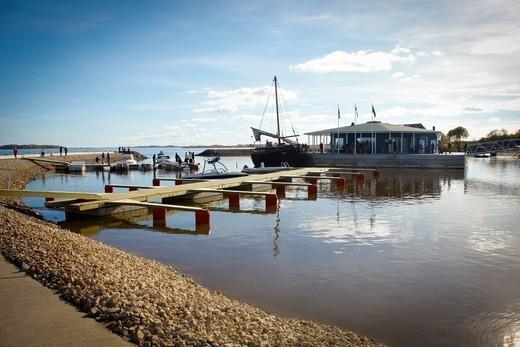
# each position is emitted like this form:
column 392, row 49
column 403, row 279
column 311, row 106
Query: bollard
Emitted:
column 109, row 189
column 202, row 217
column 156, row 182
column 159, row 216
column 131, row 189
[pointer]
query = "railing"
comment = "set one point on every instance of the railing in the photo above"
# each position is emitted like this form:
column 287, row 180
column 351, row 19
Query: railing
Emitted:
column 493, row 146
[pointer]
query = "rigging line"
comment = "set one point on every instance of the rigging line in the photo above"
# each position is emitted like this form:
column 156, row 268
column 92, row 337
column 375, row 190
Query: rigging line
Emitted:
column 289, row 116
column 266, row 104
column 280, row 95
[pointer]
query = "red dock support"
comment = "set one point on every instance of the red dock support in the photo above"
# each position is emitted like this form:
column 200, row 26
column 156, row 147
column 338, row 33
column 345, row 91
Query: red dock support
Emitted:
column 340, row 182
column 159, row 216
column 312, row 190
column 359, row 177
column 49, row 199
column 131, row 189
column 156, row 182
column 234, row 200
column 271, row 200
column 280, row 190
column 178, row 182
column 109, row 189
column 375, row 173
column 202, row 217
column 312, row 180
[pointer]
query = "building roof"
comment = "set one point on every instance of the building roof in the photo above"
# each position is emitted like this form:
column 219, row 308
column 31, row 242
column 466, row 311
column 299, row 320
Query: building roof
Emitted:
column 376, row 127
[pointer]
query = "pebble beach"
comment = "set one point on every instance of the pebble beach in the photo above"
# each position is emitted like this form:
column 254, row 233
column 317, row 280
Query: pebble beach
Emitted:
column 144, row 301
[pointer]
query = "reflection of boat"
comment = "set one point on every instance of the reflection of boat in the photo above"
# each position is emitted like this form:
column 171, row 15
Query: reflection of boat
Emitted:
column 77, row 166
column 214, row 171
column 285, row 150
column 266, row 169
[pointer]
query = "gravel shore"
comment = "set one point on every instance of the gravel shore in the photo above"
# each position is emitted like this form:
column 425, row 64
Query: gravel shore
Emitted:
column 143, row 300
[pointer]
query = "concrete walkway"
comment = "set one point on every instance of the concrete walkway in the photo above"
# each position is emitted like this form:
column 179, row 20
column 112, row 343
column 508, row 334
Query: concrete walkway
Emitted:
column 32, row 315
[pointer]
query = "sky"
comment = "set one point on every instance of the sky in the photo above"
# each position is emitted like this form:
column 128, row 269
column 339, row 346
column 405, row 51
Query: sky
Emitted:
column 110, row 73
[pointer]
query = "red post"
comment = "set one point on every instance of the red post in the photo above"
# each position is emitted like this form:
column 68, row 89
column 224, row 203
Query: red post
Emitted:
column 234, row 200
column 375, row 173
column 131, row 189
column 340, row 181
column 202, row 217
column 312, row 180
column 280, row 190
column 359, row 177
column 178, row 182
column 49, row 199
column 159, row 216
column 156, row 182
column 312, row 190
column 271, row 200
column 109, row 189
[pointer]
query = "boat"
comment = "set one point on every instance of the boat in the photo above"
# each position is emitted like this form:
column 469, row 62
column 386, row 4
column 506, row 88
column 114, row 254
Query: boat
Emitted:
column 212, row 171
column 482, row 155
column 284, row 150
column 77, row 166
column 126, row 163
column 266, row 169
column 170, row 165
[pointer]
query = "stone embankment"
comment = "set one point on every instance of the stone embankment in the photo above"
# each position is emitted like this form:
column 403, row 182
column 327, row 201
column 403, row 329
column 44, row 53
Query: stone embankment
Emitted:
column 145, row 301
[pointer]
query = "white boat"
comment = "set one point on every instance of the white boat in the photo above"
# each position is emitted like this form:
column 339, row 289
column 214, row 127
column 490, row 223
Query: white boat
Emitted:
column 482, row 155
column 170, row 165
column 212, row 171
column 126, row 163
column 77, row 166
column 266, row 169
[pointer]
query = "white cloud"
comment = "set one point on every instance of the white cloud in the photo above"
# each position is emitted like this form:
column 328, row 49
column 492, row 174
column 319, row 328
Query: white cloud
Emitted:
column 360, row 61
column 494, row 120
column 221, row 101
column 402, row 77
column 204, row 119
column 438, row 53
column 496, row 45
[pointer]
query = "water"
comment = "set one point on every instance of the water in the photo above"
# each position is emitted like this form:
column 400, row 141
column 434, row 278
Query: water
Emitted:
column 418, row 258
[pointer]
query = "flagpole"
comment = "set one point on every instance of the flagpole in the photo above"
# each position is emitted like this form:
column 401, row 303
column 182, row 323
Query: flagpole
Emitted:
column 337, row 140
column 372, row 142
column 355, row 122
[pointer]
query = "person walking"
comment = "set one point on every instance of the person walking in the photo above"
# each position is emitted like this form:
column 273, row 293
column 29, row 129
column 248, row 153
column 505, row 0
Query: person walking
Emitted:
column 15, row 152
column 103, row 158
column 108, row 158
column 321, row 147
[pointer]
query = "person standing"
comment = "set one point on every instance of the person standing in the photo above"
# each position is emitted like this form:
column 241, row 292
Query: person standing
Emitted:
column 103, row 158
column 108, row 158
column 15, row 152
column 66, row 150
column 321, row 147
column 61, row 150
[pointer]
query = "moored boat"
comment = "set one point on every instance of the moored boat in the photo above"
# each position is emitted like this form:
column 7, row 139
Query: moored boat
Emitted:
column 215, row 169
column 284, row 150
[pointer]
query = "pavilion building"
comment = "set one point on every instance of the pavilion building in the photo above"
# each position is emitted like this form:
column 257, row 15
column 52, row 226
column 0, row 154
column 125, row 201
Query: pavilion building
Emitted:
column 377, row 138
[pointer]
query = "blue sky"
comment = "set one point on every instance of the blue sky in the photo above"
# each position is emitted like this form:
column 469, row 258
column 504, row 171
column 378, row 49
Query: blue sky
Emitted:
column 173, row 72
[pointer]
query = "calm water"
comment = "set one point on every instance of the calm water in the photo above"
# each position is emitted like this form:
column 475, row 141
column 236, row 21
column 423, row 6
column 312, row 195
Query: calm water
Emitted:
column 417, row 258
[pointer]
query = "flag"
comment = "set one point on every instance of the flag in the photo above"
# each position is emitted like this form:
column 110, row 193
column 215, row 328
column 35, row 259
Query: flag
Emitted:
column 355, row 109
column 339, row 116
column 373, row 111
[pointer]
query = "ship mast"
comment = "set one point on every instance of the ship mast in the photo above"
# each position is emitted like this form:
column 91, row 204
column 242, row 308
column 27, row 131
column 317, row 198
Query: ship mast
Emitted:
column 277, row 114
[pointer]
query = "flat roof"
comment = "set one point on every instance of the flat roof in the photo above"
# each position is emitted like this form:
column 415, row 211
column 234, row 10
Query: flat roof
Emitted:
column 376, row 127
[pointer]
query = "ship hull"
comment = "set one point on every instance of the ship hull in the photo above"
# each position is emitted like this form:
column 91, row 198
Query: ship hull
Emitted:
column 276, row 155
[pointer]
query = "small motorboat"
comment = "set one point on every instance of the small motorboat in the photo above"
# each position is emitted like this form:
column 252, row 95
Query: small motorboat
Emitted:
column 266, row 169
column 482, row 155
column 212, row 171
column 170, row 165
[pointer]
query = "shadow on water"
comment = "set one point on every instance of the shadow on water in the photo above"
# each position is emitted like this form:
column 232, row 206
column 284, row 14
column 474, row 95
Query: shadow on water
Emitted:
column 417, row 257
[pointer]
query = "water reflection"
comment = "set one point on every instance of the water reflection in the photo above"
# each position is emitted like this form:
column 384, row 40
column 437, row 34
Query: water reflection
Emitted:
column 417, row 257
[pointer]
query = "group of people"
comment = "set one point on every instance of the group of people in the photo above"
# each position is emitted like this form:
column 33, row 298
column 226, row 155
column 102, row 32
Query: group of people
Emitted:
column 64, row 150
column 123, row 149
column 102, row 160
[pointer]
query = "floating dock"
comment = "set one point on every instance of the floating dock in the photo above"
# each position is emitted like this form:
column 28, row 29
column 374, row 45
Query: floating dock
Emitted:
column 77, row 204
